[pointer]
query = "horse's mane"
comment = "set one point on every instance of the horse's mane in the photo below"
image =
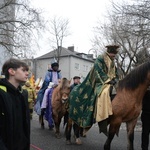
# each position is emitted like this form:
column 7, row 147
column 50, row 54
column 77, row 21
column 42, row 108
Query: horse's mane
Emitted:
column 135, row 77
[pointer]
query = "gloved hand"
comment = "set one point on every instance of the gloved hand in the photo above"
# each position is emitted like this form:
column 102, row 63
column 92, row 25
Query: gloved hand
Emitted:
column 43, row 111
column 112, row 82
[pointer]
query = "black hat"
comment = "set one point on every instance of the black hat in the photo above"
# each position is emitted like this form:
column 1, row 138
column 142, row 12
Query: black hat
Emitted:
column 54, row 64
column 112, row 49
column 76, row 77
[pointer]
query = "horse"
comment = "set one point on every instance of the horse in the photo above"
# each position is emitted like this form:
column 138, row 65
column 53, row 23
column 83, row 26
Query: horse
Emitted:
column 59, row 104
column 127, row 103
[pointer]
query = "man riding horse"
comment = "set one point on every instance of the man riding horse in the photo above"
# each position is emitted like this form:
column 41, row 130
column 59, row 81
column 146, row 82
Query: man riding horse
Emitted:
column 52, row 75
column 89, row 102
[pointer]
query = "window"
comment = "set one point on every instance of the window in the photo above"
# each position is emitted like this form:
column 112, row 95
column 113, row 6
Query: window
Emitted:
column 77, row 66
column 84, row 56
column 85, row 68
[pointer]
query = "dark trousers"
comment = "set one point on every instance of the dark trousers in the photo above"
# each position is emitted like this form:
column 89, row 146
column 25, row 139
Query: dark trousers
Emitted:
column 145, row 118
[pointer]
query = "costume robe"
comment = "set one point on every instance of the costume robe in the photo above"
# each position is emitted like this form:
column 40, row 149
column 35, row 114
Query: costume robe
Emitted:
column 83, row 98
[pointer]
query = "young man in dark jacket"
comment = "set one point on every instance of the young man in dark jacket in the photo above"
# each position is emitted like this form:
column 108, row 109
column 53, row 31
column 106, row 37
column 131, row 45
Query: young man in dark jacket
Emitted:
column 14, row 112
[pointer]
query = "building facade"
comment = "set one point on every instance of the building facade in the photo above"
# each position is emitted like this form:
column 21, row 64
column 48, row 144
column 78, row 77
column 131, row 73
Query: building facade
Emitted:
column 71, row 63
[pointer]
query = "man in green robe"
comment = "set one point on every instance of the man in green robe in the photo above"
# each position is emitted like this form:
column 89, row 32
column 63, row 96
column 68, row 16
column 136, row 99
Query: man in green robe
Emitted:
column 84, row 97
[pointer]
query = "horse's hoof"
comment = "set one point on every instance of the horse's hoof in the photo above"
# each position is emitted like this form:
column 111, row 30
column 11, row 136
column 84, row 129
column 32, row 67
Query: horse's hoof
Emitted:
column 68, row 142
column 78, row 141
column 83, row 135
column 58, row 136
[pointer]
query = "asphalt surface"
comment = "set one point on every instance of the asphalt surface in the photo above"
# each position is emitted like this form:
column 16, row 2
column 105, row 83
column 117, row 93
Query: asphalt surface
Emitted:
column 44, row 139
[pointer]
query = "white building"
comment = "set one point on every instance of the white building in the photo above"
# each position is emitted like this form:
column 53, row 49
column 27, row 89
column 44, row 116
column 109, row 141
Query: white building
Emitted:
column 71, row 63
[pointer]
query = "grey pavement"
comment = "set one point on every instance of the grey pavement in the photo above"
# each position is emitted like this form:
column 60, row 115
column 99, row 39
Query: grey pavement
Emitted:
column 123, row 126
column 45, row 139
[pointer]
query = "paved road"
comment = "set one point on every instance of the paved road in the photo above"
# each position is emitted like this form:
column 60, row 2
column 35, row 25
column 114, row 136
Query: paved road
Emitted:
column 44, row 139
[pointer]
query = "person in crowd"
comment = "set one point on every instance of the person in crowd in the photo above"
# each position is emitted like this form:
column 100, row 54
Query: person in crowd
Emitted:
column 52, row 75
column 14, row 111
column 76, row 81
column 46, row 107
column 85, row 102
column 31, row 96
column 145, row 118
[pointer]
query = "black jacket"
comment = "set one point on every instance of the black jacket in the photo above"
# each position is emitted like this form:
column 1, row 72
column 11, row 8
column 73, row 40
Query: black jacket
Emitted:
column 14, row 118
column 146, row 102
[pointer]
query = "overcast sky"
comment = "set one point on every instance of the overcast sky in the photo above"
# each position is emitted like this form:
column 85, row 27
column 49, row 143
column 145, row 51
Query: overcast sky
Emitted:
column 83, row 16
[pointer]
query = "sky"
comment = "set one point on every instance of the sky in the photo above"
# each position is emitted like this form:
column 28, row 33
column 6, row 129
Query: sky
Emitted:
column 83, row 15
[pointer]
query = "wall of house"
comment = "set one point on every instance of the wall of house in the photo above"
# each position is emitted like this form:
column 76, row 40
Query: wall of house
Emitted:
column 64, row 66
column 67, row 65
column 80, row 67
column 41, row 67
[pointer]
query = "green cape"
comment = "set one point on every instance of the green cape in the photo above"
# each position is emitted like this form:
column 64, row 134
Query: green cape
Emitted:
column 83, row 97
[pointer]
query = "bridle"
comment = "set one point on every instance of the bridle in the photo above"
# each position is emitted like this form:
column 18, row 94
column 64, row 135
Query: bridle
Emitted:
column 64, row 100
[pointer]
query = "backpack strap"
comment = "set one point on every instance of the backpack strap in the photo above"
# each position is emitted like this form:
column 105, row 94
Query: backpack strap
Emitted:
column 3, row 88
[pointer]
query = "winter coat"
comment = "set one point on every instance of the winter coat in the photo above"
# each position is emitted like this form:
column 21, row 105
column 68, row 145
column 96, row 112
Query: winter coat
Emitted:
column 14, row 118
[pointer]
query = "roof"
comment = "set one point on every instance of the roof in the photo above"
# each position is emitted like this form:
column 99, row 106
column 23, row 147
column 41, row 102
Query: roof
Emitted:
column 65, row 52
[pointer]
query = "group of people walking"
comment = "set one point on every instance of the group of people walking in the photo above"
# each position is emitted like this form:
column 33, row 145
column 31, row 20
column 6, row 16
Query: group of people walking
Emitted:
column 15, row 105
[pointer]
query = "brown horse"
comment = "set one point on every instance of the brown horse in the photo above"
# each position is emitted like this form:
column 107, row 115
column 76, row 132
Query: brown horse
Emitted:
column 57, row 100
column 59, row 103
column 127, row 103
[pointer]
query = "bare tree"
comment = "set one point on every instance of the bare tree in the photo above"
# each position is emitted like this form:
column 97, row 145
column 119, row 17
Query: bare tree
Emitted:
column 18, row 23
column 59, row 29
column 129, row 26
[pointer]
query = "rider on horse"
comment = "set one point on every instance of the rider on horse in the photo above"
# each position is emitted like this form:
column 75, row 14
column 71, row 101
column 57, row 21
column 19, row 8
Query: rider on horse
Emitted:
column 86, row 98
column 52, row 75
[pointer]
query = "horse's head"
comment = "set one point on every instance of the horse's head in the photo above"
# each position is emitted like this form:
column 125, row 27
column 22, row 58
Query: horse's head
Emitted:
column 64, row 90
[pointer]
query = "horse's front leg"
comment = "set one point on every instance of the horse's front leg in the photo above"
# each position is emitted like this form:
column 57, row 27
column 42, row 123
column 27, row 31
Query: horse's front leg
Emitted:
column 68, row 131
column 113, row 129
column 57, row 121
column 130, row 133
column 109, row 140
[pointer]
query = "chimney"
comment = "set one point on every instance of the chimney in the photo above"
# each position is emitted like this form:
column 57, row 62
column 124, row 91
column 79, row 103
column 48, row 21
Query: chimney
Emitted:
column 90, row 56
column 71, row 48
